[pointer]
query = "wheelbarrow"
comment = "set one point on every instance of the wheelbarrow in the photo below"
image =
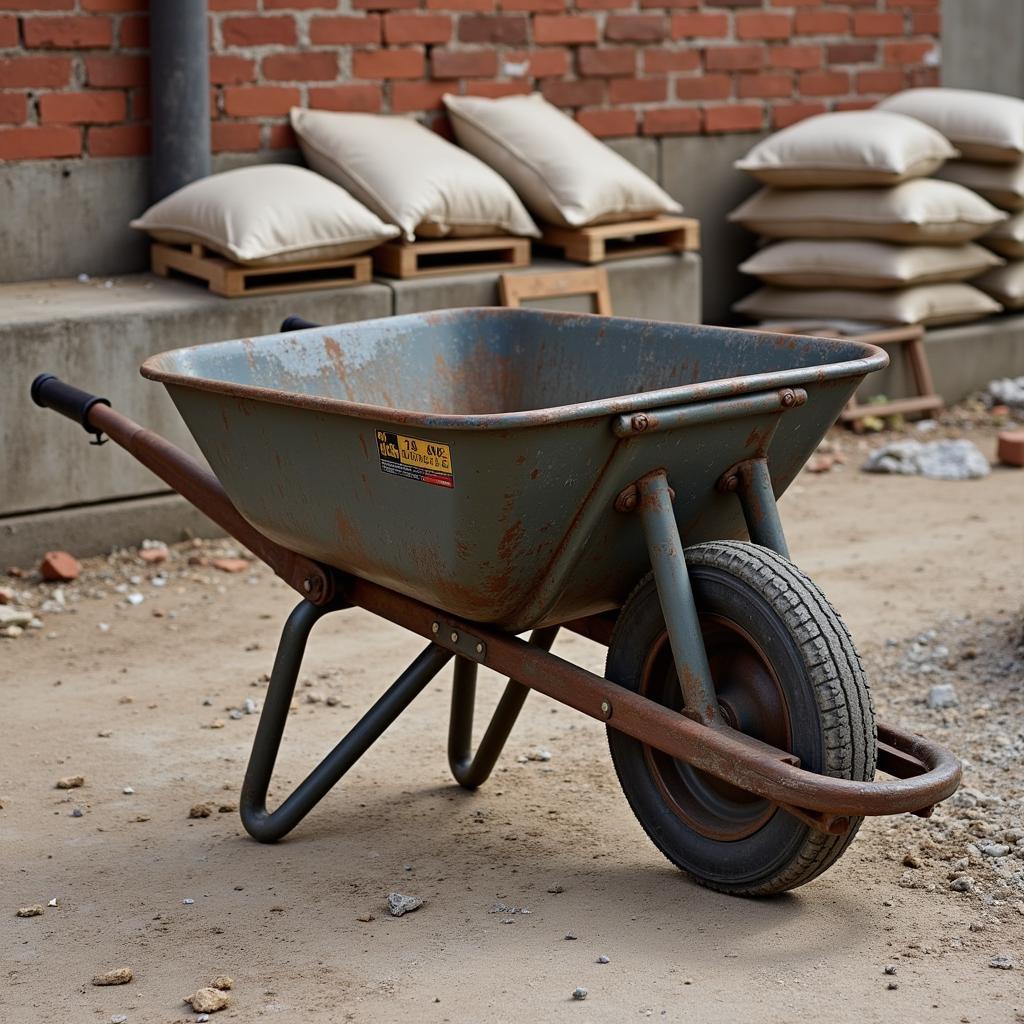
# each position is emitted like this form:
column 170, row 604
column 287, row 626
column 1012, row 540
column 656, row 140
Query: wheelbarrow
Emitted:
column 475, row 474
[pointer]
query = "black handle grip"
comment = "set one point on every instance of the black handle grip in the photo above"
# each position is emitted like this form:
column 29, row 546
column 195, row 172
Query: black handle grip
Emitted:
column 296, row 323
column 52, row 393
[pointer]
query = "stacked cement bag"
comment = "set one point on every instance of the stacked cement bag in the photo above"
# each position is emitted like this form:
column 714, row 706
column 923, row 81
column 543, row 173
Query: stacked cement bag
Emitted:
column 988, row 130
column 856, row 230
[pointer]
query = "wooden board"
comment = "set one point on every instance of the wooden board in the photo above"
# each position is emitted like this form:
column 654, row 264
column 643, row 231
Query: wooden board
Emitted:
column 515, row 288
column 234, row 280
column 451, row 256
column 602, row 242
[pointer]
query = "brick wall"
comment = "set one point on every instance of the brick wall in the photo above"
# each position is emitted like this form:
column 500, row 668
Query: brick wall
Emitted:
column 73, row 73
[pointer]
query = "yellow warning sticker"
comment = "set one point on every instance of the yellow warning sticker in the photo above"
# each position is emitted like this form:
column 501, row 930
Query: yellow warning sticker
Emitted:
column 430, row 462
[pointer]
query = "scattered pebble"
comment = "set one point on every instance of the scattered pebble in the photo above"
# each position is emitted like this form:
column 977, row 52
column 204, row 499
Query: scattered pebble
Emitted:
column 32, row 911
column 1002, row 962
column 208, row 1000
column 366, row 917
column 398, row 904
column 223, row 981
column 200, row 811
column 128, row 790
column 188, row 901
column 890, row 969
column 71, row 782
column 963, row 884
column 949, row 459
column 52, row 902
column 229, row 564
column 119, row 1018
column 556, row 888
column 893, row 985
column 59, row 567
column 579, row 992
column 942, row 696
column 571, row 936
column 77, row 812
column 118, row 976
column 602, row 959
column 911, row 860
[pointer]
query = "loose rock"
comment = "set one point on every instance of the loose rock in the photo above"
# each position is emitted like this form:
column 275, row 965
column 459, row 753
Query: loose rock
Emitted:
column 208, row 1000
column 942, row 696
column 399, row 904
column 579, row 992
column 1002, row 962
column 71, row 782
column 223, row 981
column 230, row 564
column 33, row 911
column 957, row 459
column 60, row 567
column 118, row 976
column 200, row 811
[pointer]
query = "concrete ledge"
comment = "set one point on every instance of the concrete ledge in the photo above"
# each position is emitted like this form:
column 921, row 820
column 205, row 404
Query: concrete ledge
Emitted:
column 96, row 529
column 963, row 359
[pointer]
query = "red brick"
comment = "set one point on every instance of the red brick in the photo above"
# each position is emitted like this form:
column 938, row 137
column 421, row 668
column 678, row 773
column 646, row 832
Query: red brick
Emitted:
column 409, row 96
column 897, row 54
column 385, row 5
column 821, row 23
column 704, row 26
column 659, row 59
column 493, row 28
column 544, row 63
column 112, row 71
column 824, row 83
column 231, row 70
column 363, row 98
column 462, row 5
column 281, row 136
column 608, row 123
column 82, row 107
column 877, row 23
column 638, row 90
column 39, row 143
column 607, row 61
column 64, row 33
column 604, row 5
column 586, row 93
column 407, row 63
column 37, row 5
column 259, row 100
column 704, row 87
column 671, row 4
column 875, row 81
column 259, row 31
column 300, row 67
column 345, row 30
column 8, row 31
column 785, row 114
column 801, row 58
column 915, row 4
column 417, row 28
column 60, row 566
column 114, row 6
column 734, row 58
column 924, row 78
column 775, row 84
column 927, row 23
column 852, row 53
column 134, row 32
column 566, row 28
column 672, row 121
column 757, row 25
column 140, row 104
column 233, row 5
column 1010, row 450
column 854, row 105
column 495, row 90
column 233, row 137
column 118, row 140
column 533, row 6
column 299, row 5
column 463, row 63
column 734, row 118
column 13, row 107
column 35, row 72
column 636, row 28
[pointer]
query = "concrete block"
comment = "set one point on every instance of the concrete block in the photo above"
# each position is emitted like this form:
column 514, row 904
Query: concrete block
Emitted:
column 641, row 152
column 96, row 337
column 697, row 170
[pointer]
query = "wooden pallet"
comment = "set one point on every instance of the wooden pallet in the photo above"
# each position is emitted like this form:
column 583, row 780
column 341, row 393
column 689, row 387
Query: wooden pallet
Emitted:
column 602, row 242
column 451, row 256
column 514, row 289
column 234, row 280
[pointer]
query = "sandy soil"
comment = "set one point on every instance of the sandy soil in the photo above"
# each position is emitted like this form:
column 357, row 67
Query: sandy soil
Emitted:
column 898, row 557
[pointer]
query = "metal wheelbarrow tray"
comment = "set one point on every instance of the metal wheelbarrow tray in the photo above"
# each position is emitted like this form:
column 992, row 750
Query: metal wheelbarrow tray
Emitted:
column 473, row 474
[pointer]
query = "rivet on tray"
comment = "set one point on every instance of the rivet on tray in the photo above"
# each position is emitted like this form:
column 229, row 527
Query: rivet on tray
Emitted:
column 479, row 648
column 435, row 627
column 455, row 637
column 606, row 709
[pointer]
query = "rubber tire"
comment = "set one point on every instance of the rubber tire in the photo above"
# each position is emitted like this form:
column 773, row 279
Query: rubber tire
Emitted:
column 831, row 718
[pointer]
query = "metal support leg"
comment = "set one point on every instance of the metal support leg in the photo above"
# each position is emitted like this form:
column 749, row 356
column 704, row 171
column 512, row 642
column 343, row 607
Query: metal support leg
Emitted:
column 472, row 770
column 676, row 596
column 268, row 826
column 754, row 489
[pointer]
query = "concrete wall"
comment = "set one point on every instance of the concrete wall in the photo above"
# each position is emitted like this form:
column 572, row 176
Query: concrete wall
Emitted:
column 983, row 45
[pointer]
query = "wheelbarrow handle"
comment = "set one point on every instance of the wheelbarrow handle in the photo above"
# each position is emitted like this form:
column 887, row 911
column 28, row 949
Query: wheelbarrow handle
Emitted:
column 296, row 323
column 52, row 393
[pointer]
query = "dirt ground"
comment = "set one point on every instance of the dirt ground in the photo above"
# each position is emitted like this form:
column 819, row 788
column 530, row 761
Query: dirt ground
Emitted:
column 927, row 574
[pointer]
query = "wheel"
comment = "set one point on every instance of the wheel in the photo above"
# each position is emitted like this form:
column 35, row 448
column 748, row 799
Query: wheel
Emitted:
column 786, row 672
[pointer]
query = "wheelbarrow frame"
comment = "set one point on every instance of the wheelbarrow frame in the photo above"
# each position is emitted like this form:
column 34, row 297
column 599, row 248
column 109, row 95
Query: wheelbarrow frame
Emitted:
column 923, row 772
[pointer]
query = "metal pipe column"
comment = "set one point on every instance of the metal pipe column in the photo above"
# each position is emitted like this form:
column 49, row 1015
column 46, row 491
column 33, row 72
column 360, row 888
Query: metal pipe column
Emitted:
column 180, row 94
